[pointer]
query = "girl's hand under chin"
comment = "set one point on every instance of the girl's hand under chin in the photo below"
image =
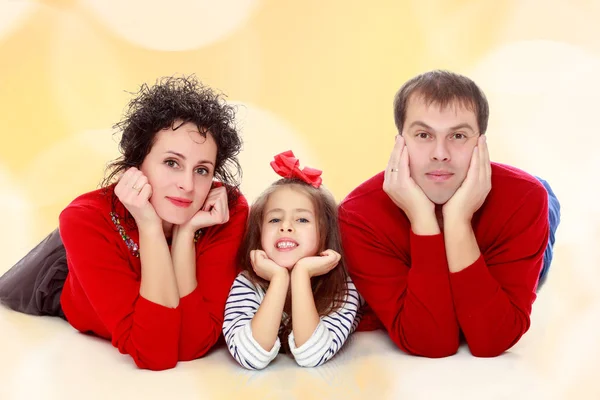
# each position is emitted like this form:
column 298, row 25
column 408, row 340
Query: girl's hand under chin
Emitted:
column 264, row 266
column 319, row 264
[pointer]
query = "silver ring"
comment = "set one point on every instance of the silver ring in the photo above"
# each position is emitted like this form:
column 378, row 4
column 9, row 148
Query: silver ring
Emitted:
column 394, row 170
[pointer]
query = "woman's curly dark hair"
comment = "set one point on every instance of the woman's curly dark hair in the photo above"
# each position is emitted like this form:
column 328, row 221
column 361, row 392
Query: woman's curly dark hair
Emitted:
column 173, row 99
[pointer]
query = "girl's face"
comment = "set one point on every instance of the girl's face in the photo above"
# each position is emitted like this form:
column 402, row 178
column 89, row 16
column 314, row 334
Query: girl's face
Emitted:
column 180, row 168
column 289, row 227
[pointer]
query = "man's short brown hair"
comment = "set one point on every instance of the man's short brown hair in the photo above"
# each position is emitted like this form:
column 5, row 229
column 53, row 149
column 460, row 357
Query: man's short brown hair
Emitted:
column 442, row 88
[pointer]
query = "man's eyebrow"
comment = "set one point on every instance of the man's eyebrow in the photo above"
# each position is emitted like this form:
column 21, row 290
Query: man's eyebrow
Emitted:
column 422, row 124
column 462, row 126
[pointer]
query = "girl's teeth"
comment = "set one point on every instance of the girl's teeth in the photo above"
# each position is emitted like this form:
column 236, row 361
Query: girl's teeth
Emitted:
column 285, row 245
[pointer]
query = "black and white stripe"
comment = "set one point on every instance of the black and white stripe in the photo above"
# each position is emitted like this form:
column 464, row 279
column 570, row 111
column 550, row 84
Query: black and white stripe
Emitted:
column 242, row 303
column 329, row 336
column 331, row 333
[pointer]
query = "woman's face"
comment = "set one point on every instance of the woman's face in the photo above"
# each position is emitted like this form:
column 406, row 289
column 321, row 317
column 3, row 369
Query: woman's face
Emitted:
column 180, row 168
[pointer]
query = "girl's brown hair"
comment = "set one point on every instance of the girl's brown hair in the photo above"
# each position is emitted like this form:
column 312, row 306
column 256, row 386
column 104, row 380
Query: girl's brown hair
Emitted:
column 329, row 290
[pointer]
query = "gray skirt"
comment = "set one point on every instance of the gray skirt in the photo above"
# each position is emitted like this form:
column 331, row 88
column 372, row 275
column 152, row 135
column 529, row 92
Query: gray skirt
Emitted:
column 34, row 284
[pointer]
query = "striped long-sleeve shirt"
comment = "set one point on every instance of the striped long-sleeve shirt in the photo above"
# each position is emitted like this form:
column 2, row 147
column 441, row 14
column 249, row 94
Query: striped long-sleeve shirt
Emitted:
column 328, row 337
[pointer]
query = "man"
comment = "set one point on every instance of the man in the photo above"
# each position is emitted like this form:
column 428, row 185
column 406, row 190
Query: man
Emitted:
column 444, row 243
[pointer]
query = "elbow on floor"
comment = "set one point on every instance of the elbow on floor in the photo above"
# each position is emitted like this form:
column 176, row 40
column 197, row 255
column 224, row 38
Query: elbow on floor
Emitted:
column 486, row 352
column 440, row 352
column 438, row 349
column 156, row 365
column 252, row 367
column 490, row 348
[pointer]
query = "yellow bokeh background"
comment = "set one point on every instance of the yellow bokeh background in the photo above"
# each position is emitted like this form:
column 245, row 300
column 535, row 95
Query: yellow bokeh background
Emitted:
column 317, row 77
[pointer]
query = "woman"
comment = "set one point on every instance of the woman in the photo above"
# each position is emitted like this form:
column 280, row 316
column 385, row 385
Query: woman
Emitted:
column 149, row 258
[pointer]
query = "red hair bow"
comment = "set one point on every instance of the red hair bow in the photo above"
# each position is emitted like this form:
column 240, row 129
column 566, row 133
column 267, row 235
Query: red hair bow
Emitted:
column 287, row 166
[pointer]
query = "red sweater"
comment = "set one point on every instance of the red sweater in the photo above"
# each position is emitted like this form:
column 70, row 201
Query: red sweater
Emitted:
column 405, row 280
column 102, row 291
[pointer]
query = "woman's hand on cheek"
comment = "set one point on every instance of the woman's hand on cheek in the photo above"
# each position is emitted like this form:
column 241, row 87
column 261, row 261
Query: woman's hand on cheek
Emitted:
column 264, row 267
column 319, row 264
column 215, row 211
column 134, row 191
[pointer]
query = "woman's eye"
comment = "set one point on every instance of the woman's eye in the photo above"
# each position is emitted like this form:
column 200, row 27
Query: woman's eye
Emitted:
column 202, row 171
column 171, row 163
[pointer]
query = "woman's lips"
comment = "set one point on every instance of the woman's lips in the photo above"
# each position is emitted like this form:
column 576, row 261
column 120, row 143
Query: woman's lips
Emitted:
column 179, row 202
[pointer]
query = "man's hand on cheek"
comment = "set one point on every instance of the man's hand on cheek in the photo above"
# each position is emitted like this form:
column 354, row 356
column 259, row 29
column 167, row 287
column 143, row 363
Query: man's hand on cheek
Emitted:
column 405, row 193
column 473, row 191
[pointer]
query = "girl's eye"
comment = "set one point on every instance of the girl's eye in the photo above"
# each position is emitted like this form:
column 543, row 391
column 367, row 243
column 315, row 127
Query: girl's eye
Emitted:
column 274, row 220
column 303, row 220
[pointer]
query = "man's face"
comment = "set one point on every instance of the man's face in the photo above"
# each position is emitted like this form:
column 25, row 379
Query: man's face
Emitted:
column 440, row 144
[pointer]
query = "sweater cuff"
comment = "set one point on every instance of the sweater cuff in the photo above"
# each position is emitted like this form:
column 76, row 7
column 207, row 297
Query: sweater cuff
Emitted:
column 474, row 286
column 160, row 325
column 312, row 350
column 428, row 253
column 249, row 348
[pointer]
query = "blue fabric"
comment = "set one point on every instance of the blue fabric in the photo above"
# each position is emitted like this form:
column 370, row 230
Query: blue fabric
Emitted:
column 554, row 220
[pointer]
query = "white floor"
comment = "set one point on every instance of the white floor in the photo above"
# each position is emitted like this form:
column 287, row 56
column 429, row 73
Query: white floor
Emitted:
column 559, row 358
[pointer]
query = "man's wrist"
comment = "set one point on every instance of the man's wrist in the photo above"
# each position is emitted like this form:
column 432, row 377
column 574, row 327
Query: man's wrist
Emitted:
column 453, row 219
column 424, row 223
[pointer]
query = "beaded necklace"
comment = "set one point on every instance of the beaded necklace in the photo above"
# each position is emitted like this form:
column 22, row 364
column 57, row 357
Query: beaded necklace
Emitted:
column 131, row 245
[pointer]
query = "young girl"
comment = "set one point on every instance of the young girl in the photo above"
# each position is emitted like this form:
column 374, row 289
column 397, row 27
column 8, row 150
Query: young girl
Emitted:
column 147, row 262
column 293, row 287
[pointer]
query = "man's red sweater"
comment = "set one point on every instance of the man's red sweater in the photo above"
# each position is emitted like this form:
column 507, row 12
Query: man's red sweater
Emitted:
column 405, row 280
column 102, row 291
